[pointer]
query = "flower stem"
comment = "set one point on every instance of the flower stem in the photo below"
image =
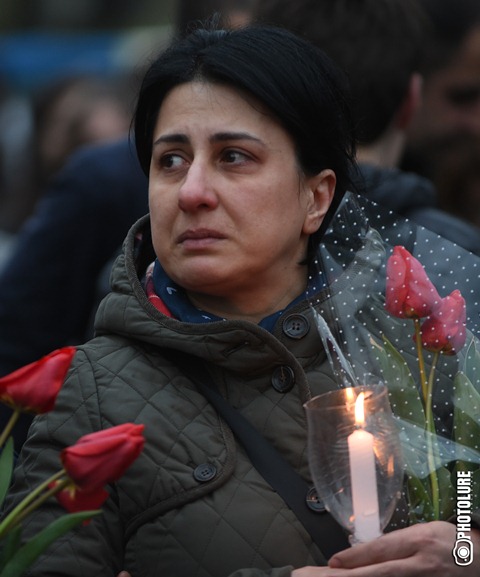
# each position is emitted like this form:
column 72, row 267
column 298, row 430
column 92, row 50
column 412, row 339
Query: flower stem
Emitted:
column 41, row 499
column 12, row 518
column 427, row 393
column 8, row 427
column 421, row 362
column 431, row 434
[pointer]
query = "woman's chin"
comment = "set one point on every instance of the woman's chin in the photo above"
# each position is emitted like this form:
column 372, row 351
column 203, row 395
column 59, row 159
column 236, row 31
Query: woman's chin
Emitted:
column 203, row 279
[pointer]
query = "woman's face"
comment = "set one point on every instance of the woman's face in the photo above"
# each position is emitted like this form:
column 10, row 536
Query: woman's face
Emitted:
column 231, row 212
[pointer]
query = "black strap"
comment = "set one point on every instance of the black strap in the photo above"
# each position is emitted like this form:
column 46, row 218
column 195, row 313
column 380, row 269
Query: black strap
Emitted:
column 324, row 530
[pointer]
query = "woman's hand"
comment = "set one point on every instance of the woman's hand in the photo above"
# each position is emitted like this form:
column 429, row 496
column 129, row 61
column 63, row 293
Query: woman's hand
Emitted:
column 418, row 551
column 421, row 550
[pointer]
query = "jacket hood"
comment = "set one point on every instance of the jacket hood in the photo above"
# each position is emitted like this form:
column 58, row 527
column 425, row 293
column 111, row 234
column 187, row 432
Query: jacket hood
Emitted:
column 127, row 312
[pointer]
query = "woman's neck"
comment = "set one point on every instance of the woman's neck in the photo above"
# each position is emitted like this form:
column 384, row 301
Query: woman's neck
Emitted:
column 251, row 308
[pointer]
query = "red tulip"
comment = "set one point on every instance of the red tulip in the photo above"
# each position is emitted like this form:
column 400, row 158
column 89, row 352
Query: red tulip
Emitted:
column 76, row 500
column 34, row 387
column 102, row 457
column 409, row 291
column 445, row 330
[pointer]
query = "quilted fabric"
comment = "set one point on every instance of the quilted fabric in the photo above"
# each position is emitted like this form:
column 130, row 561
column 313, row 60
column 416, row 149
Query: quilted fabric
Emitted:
column 161, row 519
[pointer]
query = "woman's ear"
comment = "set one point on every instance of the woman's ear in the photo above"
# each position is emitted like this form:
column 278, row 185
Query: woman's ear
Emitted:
column 321, row 189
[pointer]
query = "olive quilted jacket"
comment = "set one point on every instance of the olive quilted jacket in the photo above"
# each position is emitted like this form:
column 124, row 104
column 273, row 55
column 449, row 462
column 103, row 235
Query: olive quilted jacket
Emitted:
column 192, row 504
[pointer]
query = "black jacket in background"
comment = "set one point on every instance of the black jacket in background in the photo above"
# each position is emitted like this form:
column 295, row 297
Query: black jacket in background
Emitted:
column 49, row 284
column 414, row 197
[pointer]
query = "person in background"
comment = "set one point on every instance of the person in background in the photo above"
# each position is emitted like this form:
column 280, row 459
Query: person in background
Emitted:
column 443, row 138
column 249, row 145
column 380, row 45
column 456, row 174
column 450, row 106
column 67, row 114
column 78, row 111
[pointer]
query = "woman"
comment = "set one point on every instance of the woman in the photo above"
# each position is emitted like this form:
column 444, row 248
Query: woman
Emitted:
column 248, row 143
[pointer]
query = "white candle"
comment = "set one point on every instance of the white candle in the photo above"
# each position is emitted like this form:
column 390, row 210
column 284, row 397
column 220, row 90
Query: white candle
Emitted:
column 364, row 480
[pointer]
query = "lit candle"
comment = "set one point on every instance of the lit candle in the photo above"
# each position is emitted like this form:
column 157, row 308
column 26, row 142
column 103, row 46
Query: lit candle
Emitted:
column 364, row 481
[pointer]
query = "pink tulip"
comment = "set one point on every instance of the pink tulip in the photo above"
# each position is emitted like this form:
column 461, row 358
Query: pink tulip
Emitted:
column 409, row 291
column 445, row 330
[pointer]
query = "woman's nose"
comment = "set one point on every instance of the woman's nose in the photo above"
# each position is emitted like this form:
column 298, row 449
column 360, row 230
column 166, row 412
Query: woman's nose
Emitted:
column 197, row 189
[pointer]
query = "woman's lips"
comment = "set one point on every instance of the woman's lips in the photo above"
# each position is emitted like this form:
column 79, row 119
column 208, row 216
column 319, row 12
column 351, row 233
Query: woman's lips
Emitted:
column 199, row 238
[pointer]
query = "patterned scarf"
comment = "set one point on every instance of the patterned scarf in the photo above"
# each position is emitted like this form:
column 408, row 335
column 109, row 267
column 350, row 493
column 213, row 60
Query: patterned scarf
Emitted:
column 172, row 300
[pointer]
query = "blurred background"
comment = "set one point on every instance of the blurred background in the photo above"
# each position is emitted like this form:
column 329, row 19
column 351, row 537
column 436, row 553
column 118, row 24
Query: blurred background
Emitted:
column 43, row 39
column 68, row 74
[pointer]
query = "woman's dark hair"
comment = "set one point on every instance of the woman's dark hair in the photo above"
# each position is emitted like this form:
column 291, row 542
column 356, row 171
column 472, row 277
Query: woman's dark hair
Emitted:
column 296, row 81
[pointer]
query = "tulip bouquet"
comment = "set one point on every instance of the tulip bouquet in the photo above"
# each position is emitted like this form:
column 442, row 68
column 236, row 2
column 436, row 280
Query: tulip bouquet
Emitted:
column 383, row 316
column 439, row 332
column 85, row 468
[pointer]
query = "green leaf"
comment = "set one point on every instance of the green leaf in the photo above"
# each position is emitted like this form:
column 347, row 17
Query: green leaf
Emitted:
column 27, row 554
column 9, row 546
column 466, row 423
column 419, row 500
column 446, row 493
column 408, row 407
column 404, row 397
column 471, row 366
column 6, row 468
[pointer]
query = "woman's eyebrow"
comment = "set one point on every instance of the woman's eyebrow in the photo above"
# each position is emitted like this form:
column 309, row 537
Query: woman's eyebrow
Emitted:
column 180, row 138
column 223, row 136
column 217, row 137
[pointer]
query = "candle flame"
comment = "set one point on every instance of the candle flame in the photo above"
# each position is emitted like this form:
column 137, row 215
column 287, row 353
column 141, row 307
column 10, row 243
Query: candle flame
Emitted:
column 349, row 394
column 359, row 410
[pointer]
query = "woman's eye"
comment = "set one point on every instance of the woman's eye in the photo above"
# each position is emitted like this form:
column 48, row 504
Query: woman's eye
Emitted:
column 171, row 161
column 235, row 157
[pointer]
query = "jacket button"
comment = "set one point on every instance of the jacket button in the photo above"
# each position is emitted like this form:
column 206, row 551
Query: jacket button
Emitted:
column 314, row 502
column 295, row 326
column 204, row 472
column 283, row 379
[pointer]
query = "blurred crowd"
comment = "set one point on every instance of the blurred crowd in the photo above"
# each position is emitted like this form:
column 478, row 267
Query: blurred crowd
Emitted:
column 71, row 112
column 433, row 135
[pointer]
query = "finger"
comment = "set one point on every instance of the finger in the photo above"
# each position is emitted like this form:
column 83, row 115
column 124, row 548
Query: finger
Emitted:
column 124, row 574
column 410, row 567
column 396, row 545
column 433, row 538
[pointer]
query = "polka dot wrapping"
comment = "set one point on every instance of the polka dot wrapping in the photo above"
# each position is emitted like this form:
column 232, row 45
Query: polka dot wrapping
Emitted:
column 365, row 342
